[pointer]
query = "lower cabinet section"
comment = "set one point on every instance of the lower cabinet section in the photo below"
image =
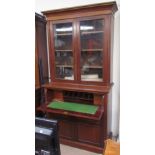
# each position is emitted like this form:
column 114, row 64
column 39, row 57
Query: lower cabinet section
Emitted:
column 78, row 133
column 81, row 132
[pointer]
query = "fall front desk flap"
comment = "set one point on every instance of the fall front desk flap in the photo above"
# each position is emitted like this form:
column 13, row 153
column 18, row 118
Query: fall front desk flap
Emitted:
column 74, row 107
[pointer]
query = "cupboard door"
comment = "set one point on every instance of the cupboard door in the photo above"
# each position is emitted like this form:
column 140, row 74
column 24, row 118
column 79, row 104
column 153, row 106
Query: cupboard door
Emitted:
column 64, row 51
column 91, row 41
column 67, row 129
column 89, row 133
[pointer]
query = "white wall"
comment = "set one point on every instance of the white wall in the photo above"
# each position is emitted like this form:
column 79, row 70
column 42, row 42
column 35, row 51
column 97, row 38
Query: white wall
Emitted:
column 42, row 5
column 116, row 76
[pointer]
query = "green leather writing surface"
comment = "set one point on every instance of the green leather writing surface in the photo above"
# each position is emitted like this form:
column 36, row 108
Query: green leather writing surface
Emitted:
column 75, row 107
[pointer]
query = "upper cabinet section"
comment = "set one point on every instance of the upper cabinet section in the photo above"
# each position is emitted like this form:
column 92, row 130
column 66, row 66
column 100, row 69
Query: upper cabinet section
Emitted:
column 80, row 43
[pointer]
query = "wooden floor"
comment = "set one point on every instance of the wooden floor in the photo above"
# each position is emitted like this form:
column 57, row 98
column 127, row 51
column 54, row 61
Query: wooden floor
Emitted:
column 67, row 150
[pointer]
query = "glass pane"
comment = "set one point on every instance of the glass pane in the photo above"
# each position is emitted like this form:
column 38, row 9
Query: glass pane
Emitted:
column 63, row 51
column 91, row 33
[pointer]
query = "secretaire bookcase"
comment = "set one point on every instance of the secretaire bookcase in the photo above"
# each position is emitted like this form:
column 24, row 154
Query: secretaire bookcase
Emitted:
column 80, row 41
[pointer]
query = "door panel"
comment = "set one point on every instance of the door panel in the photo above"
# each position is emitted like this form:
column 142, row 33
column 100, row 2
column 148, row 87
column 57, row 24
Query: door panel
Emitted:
column 67, row 129
column 64, row 51
column 89, row 133
column 91, row 52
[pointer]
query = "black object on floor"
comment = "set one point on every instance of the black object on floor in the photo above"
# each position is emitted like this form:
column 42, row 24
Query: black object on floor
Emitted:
column 46, row 137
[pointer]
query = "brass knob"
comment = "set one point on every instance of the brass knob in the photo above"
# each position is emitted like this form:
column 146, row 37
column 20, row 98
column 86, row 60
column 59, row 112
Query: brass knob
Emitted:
column 65, row 112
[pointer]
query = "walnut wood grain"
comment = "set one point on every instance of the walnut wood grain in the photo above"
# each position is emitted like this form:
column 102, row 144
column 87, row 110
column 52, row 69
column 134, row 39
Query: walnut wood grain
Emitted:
column 112, row 7
column 78, row 87
column 77, row 129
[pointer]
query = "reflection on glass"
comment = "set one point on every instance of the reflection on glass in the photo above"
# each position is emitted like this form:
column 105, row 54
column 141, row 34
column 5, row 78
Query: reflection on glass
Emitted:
column 91, row 33
column 63, row 51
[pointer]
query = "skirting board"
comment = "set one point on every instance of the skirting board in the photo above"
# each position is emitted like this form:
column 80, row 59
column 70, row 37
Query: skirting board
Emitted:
column 82, row 146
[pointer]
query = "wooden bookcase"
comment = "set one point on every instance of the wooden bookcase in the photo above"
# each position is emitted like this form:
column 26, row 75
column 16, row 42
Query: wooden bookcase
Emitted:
column 80, row 43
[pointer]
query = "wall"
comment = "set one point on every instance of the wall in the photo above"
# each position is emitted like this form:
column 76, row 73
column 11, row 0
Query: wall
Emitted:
column 116, row 76
column 42, row 5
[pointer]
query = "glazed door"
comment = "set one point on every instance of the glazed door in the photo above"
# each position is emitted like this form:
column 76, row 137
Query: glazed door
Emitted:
column 91, row 50
column 63, row 50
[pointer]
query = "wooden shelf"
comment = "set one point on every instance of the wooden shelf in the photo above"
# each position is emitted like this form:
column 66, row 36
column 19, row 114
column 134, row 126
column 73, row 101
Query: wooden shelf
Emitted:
column 91, row 50
column 63, row 34
column 91, row 32
column 95, row 80
column 97, row 67
column 65, row 66
column 66, row 78
column 63, row 50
